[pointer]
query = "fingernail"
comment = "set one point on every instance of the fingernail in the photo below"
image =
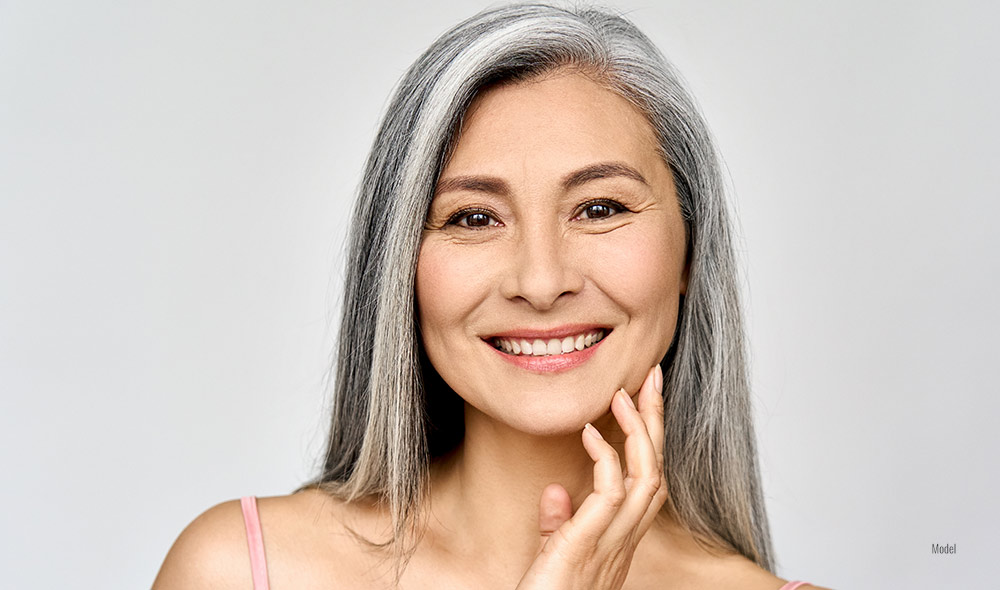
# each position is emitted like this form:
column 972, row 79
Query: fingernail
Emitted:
column 627, row 398
column 658, row 378
column 593, row 431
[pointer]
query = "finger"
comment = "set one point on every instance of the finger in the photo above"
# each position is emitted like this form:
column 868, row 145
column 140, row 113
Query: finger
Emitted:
column 599, row 508
column 644, row 465
column 651, row 409
column 659, row 499
column 640, row 456
column 555, row 508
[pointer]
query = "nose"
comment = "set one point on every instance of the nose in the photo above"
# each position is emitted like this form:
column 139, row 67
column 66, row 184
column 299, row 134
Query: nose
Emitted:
column 543, row 268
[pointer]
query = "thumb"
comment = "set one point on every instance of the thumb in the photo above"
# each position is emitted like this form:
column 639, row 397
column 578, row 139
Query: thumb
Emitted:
column 555, row 508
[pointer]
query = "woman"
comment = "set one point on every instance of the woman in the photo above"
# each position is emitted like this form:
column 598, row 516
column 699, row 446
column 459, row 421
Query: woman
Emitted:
column 541, row 379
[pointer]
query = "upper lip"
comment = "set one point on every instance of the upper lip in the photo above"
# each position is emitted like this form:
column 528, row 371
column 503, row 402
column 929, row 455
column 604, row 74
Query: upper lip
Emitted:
column 548, row 333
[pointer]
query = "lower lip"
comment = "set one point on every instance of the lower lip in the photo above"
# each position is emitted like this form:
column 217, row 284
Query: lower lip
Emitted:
column 551, row 363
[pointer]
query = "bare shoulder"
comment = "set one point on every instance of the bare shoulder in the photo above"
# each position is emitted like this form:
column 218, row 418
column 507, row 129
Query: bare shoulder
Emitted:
column 211, row 552
column 747, row 574
column 744, row 573
column 314, row 540
column 741, row 572
column 310, row 540
column 672, row 552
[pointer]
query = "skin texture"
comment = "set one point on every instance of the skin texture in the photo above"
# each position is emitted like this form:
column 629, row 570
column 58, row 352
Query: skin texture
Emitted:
column 542, row 262
column 520, row 237
column 531, row 499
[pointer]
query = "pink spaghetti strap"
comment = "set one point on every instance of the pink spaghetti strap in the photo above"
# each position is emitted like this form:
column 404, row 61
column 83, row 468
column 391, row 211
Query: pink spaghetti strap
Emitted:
column 793, row 585
column 255, row 541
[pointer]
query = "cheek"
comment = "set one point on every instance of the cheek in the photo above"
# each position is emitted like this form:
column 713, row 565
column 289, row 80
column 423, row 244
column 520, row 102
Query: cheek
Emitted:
column 451, row 283
column 641, row 269
column 448, row 286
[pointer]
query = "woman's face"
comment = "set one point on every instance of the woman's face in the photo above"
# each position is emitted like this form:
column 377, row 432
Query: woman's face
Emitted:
column 555, row 227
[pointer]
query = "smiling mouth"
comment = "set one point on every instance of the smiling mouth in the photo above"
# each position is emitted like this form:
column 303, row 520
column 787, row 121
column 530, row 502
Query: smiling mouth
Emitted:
column 549, row 347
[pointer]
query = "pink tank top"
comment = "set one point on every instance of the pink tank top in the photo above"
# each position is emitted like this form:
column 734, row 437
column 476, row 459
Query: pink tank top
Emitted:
column 258, row 562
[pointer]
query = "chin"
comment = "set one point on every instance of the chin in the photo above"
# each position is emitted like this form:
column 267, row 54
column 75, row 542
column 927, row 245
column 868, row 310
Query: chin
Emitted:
column 552, row 416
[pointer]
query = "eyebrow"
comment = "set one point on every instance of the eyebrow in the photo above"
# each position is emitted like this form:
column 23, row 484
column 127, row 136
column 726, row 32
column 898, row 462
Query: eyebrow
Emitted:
column 495, row 185
column 481, row 184
column 602, row 170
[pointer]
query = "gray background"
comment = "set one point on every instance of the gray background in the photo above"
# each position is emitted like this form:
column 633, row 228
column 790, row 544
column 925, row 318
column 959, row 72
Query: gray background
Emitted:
column 175, row 180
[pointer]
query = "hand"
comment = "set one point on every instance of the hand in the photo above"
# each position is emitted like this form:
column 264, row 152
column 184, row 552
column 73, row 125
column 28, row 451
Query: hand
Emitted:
column 593, row 548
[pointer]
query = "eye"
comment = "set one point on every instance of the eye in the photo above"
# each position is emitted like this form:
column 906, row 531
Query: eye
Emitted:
column 473, row 218
column 600, row 209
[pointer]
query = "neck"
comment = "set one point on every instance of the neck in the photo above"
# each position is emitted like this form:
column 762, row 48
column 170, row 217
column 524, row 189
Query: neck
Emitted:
column 485, row 496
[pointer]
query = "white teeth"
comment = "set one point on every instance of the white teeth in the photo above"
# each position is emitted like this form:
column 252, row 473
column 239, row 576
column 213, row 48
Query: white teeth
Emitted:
column 553, row 346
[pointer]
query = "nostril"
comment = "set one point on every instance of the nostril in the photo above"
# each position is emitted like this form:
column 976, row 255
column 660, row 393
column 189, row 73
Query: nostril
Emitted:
column 542, row 273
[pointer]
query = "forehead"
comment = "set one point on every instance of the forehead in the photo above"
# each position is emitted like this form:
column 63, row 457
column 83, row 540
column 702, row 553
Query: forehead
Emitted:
column 558, row 121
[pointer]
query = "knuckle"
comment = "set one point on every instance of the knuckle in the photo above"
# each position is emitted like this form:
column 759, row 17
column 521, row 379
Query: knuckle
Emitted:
column 650, row 486
column 612, row 457
column 661, row 489
column 638, row 425
column 615, row 497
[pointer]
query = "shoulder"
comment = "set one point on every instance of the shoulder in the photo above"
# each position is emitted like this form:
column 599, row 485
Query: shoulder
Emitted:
column 211, row 552
column 309, row 538
column 743, row 573
column 672, row 551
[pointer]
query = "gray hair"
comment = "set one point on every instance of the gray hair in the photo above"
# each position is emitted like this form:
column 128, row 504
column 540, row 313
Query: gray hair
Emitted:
column 392, row 414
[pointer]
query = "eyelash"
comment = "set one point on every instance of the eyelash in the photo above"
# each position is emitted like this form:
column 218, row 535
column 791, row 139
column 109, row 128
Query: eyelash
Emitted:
column 464, row 214
column 459, row 216
column 615, row 207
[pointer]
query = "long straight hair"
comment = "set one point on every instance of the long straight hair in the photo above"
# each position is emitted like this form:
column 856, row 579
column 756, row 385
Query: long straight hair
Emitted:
column 392, row 415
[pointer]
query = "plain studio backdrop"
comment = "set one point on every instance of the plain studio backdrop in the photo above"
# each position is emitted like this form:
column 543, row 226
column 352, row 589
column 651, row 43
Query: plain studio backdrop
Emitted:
column 175, row 185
